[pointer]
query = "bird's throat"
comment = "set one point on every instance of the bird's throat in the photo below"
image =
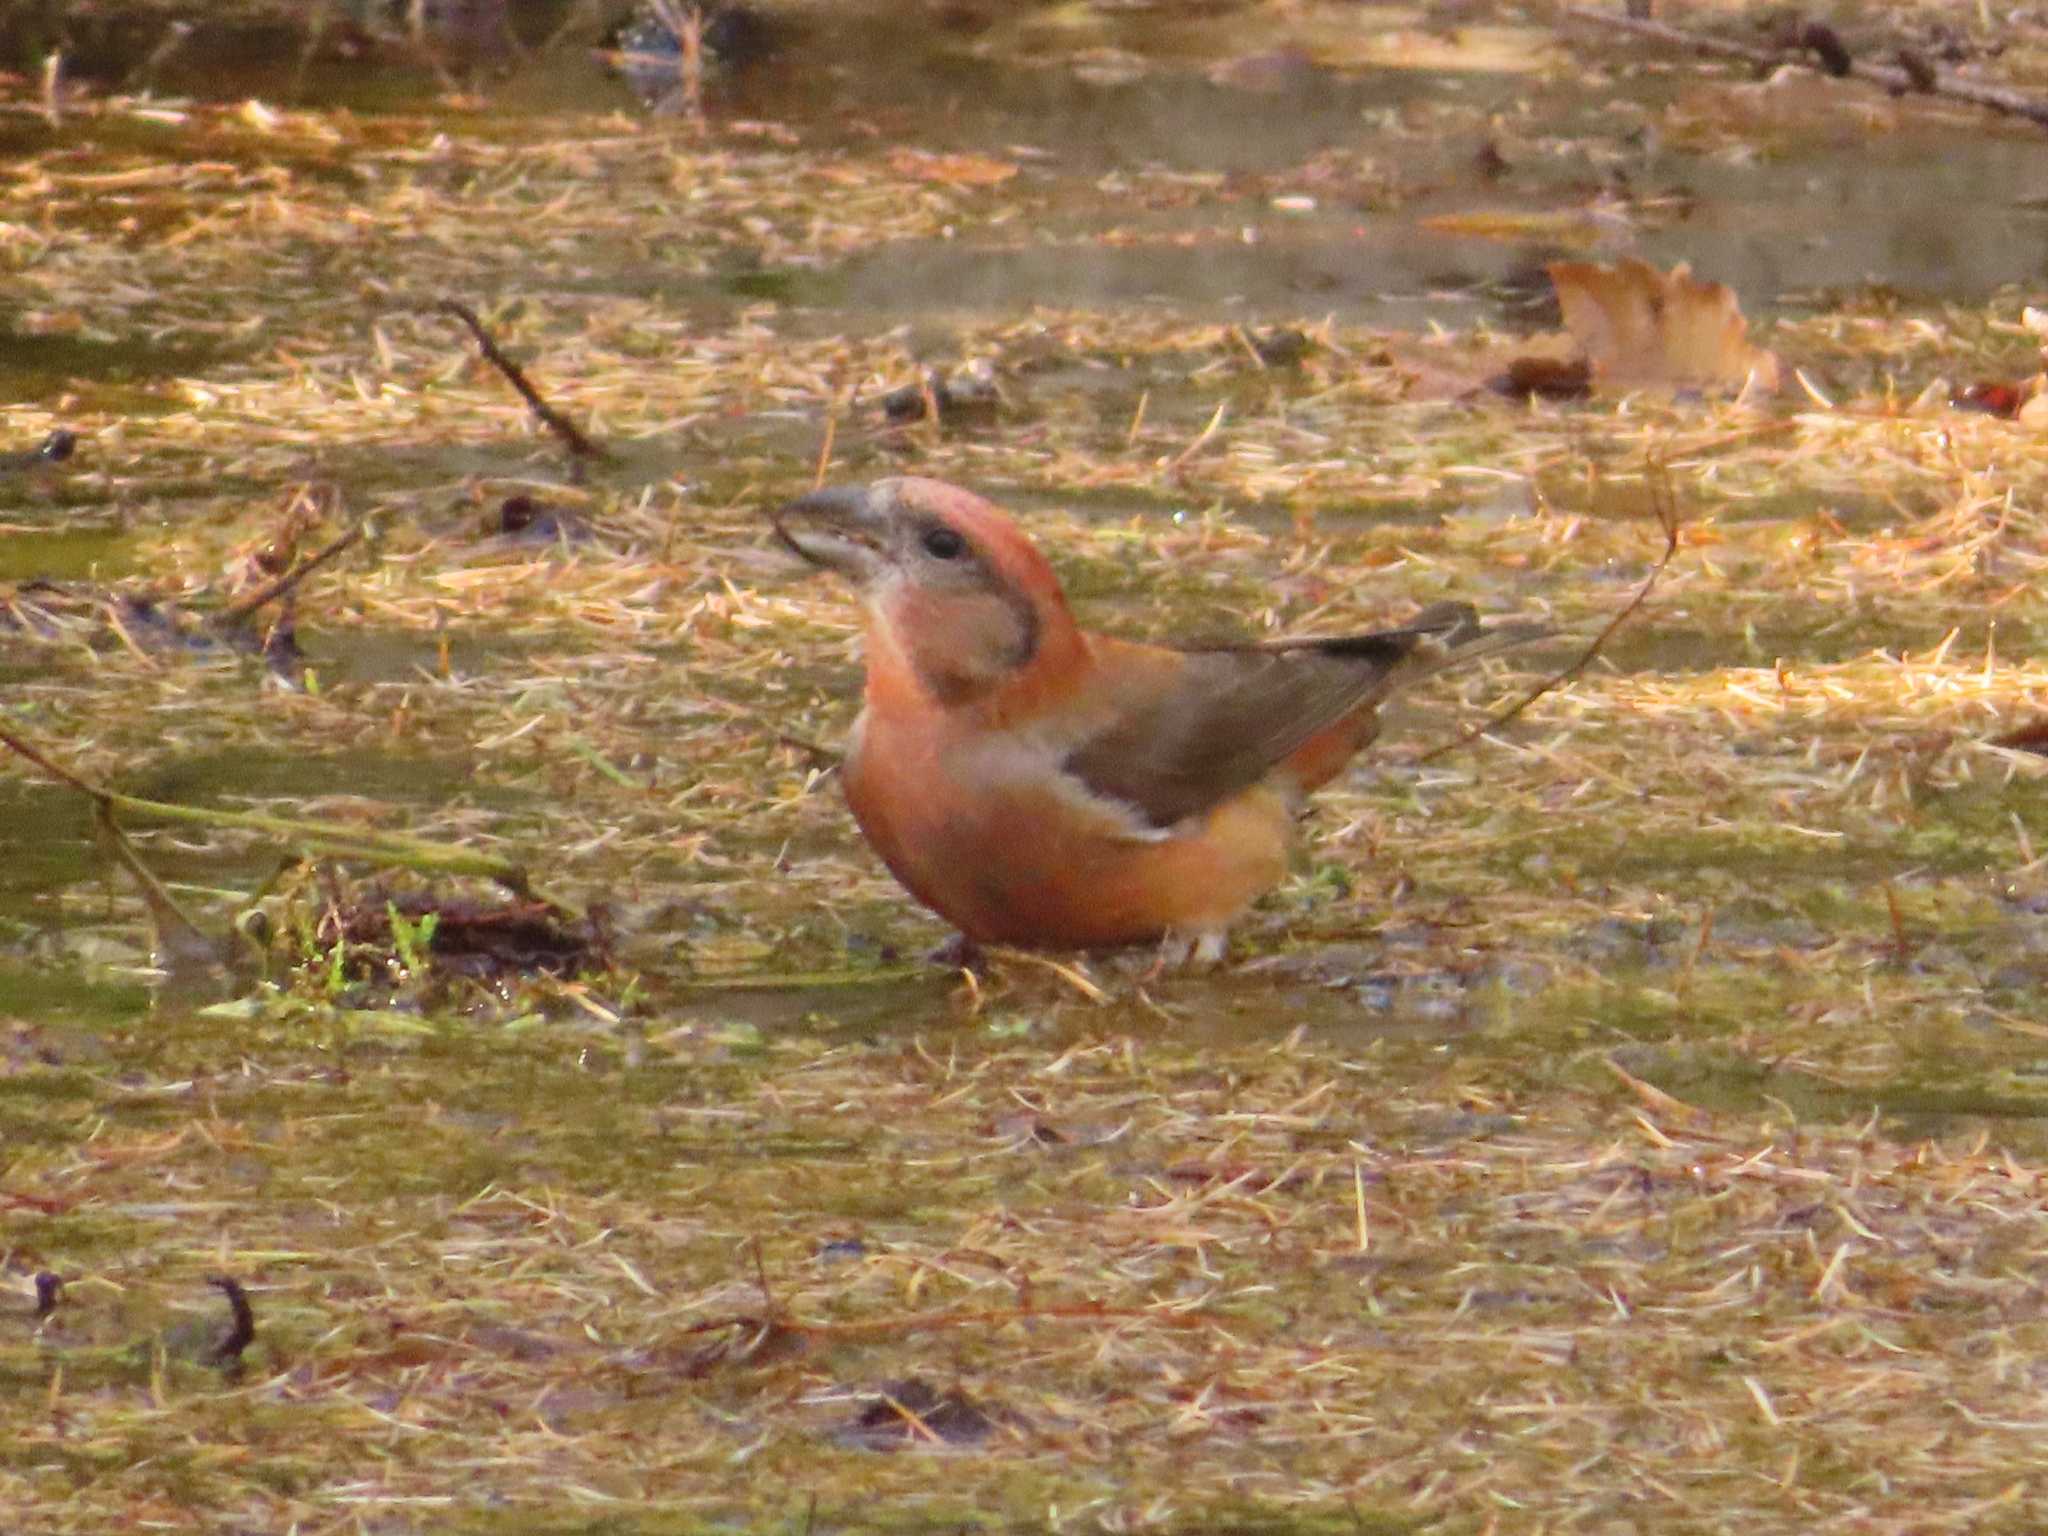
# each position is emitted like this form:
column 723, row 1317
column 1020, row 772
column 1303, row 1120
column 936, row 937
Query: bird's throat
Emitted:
column 951, row 648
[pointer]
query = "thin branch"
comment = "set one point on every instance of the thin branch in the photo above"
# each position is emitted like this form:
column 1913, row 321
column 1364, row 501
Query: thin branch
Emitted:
column 1179, row 460
column 1900, row 80
column 577, row 444
column 242, row 1322
column 1665, row 503
column 687, row 27
column 177, row 936
column 339, row 842
column 991, row 1317
column 243, row 606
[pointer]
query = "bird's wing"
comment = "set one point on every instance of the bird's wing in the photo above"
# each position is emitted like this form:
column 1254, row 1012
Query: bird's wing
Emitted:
column 1207, row 724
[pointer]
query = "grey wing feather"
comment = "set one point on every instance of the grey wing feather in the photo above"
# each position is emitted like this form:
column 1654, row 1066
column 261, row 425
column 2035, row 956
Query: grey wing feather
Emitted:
column 1243, row 709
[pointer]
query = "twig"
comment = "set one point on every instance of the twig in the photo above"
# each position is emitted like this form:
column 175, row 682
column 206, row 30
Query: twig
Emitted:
column 761, row 1278
column 1067, row 973
column 993, row 1317
column 53, row 87
column 316, row 24
column 242, row 607
column 577, row 444
column 825, row 451
column 928, row 382
column 346, row 843
column 144, row 74
column 1656, row 1099
column 686, row 26
column 241, row 1322
column 1679, row 37
column 1902, row 945
column 913, row 1420
column 1201, row 441
column 178, row 938
column 1665, row 504
column 62, row 774
column 821, row 755
column 577, row 15
column 1899, row 81
column 825, row 757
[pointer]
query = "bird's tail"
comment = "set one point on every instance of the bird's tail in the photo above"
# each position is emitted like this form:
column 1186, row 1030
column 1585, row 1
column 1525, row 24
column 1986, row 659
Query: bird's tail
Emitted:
column 1442, row 636
column 1453, row 634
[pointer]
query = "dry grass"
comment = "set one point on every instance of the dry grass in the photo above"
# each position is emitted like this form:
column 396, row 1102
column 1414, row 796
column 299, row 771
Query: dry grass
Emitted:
column 1628, row 1123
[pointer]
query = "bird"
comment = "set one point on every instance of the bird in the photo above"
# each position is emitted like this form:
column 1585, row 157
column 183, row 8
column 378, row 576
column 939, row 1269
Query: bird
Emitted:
column 1041, row 786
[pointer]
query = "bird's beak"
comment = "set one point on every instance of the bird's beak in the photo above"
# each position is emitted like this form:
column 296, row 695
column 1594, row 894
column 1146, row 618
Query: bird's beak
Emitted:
column 839, row 529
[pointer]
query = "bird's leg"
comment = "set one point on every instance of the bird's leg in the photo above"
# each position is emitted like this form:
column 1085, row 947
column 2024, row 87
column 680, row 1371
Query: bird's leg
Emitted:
column 1195, row 951
column 959, row 953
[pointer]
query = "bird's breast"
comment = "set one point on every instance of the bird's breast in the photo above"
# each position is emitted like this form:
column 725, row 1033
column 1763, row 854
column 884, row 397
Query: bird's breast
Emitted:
column 987, row 830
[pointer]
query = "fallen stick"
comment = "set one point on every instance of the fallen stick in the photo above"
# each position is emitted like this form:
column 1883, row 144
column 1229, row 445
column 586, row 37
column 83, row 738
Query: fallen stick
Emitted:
column 567, row 430
column 242, row 607
column 180, row 942
column 340, row 842
column 1664, row 503
column 1921, row 77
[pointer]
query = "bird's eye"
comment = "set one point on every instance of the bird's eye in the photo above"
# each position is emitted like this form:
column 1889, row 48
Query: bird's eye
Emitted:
column 944, row 544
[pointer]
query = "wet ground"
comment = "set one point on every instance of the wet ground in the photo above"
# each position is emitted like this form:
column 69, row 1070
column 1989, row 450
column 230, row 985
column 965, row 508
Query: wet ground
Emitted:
column 1229, row 174
column 1180, row 180
column 1759, row 875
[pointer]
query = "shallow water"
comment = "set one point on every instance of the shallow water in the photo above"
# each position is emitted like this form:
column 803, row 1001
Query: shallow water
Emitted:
column 1215, row 220
column 1635, row 1108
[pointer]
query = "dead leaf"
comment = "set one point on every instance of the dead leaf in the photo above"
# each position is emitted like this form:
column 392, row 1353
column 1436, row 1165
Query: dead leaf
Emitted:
column 1639, row 326
column 962, row 170
column 1549, row 378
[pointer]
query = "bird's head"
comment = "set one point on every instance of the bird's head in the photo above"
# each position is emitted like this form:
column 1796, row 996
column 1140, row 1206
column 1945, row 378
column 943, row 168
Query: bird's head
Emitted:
column 958, row 600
